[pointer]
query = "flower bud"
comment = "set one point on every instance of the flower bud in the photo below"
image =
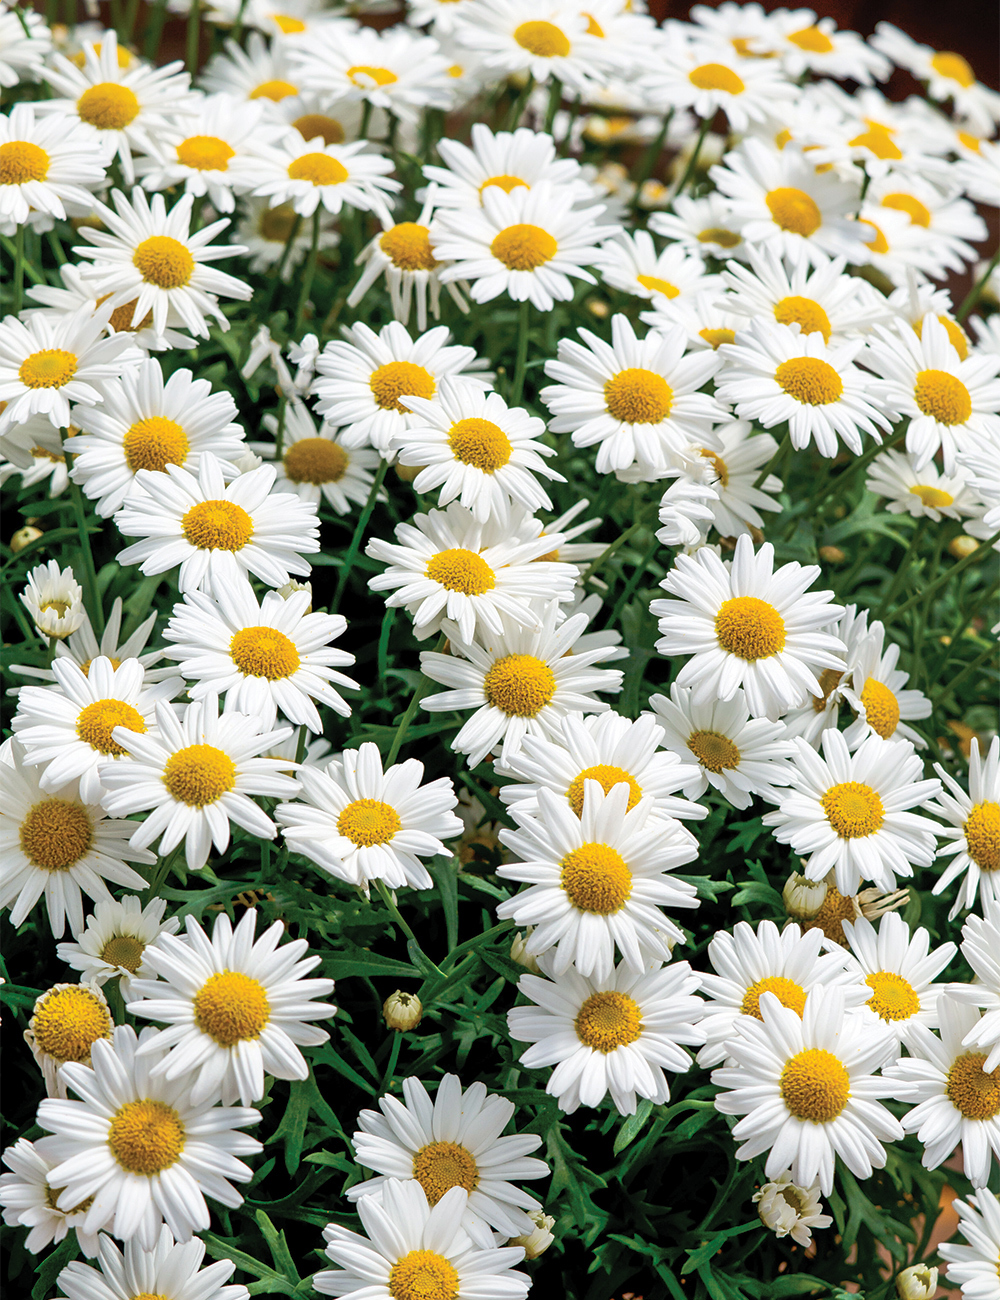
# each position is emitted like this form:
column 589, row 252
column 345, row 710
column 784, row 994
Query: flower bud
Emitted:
column 832, row 554
column 519, row 953
column 918, row 1282
column 292, row 586
column 803, row 898
column 54, row 599
column 962, row 546
column 24, row 537
column 402, row 1011
column 248, row 461
column 536, row 1243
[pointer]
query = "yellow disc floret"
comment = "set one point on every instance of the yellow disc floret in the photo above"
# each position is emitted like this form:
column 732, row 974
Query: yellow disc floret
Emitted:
column 815, row 1085
column 199, row 774
column 811, row 39
column 893, row 997
column 480, row 443
column 205, row 153
column 108, row 106
column 932, row 497
column 318, row 169
column 971, row 1090
column 97, row 721
column 719, row 235
column 231, row 1008
column 317, row 126
column 788, row 993
column 942, row 396
column 369, row 821
column 440, row 1166
column 217, row 525
column 609, row 1020
column 982, row 835
column 69, row 1020
column 881, row 707
column 55, row 834
column 655, row 285
column 519, row 685
column 21, row 161
column 716, row 338
column 504, row 182
column 124, row 950
column 462, row 570
column 264, row 652
column 810, row 380
column 408, row 246
column 804, row 312
column 946, row 63
column 288, row 25
column 524, row 247
column 749, row 628
column 366, row 77
column 854, row 809
column 637, row 396
column 608, row 776
column 716, row 76
column 714, row 750
column 919, row 213
column 275, row 91
column 543, row 40
column 596, row 879
column 397, row 379
column 164, row 261
column 794, row 210
column 155, row 443
column 146, row 1137
column 316, row 461
column 48, row 368
column 423, row 1275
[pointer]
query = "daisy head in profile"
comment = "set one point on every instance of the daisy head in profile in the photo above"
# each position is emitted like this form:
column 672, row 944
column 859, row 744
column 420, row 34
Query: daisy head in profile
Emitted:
column 972, row 831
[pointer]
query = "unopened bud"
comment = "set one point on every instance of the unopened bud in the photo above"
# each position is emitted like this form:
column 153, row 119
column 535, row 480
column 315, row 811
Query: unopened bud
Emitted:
column 962, row 546
column 291, row 586
column 519, row 953
column 599, row 308
column 24, row 537
column 803, row 898
column 402, row 1011
column 248, row 461
column 537, row 1242
column 832, row 554
column 918, row 1282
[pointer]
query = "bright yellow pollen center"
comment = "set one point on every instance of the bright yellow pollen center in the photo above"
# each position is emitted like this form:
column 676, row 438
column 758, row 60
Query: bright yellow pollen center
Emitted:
column 408, row 246
column 56, row 457
column 637, row 396
column 398, row 379
column 815, row 1085
column 836, row 908
column 719, row 235
column 423, row 1275
column 946, row 63
column 504, row 182
column 231, row 1007
column 264, row 652
column 123, row 950
column 108, row 106
column 931, row 496
column 893, row 998
column 121, row 317
column 98, row 720
column 155, row 443
column 749, row 628
column 146, row 1137
column 608, row 776
column 942, row 396
column 810, row 380
column 199, row 774
column 919, row 213
column 544, row 40
column 655, row 285
column 55, row 834
column 21, row 161
column 123, row 58
column 369, row 821
column 217, row 526
column 440, row 1166
column 879, row 243
column 318, row 168
column 205, row 153
column 609, row 1020
column 878, row 140
column 971, row 1090
column 49, row 368
column 524, row 247
column 788, row 993
column 275, row 91
column 716, row 76
column 69, row 1022
column 366, row 77
column 316, row 461
column 164, row 261
column 973, row 142
column 288, row 25
column 480, row 443
column 312, row 126
column 714, row 750
column 519, row 685
column 716, row 338
column 958, row 337
column 596, row 879
column 811, row 39
column 59, row 607
column 462, row 570
column 854, row 809
column 804, row 312
column 112, row 659
column 881, row 707
column 982, row 835
column 794, row 210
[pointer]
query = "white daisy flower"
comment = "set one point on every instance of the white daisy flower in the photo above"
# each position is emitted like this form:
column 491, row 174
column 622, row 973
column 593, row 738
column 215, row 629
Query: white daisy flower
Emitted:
column 849, row 812
column 266, row 232
column 597, row 881
column 806, row 1088
column 616, row 1035
column 114, row 942
column 705, row 318
column 926, row 493
column 631, row 263
column 524, row 681
column 413, row 1250
column 66, row 1021
column 947, row 74
column 83, row 648
column 790, row 1210
column 973, row 1267
column 44, row 165
column 972, row 836
column 561, row 532
column 280, row 19
column 637, row 399
column 950, row 223
column 747, row 625
column 707, row 78
column 43, row 463
column 260, row 72
column 821, row 711
column 980, row 946
column 476, row 448
column 978, row 174
column 453, row 1141
column 703, row 226
column 360, row 823
column 266, row 656
column 896, row 248
column 509, row 160
column 805, row 43
column 519, row 36
column 737, row 465
column 686, row 509
column 139, row 1147
column 440, row 13
column 150, row 256
column 363, row 377
column 735, row 754
column 29, row 1200
column 314, row 463
column 196, row 774
column 54, row 599
column 310, row 173
column 876, row 692
column 218, row 533
column 25, row 43
column 167, row 1268
column 70, row 729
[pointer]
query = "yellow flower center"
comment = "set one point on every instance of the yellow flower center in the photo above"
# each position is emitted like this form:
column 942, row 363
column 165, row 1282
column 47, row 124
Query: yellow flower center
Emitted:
column 288, row 25
column 835, row 909
column 524, row 247
column 504, row 182
column 596, row 879
column 931, row 496
column 123, row 950
column 231, row 1007
column 607, row 1021
column 594, row 28
column 318, row 168
column 749, row 628
column 718, row 464
column 815, row 1085
column 794, row 210
column 958, row 337
column 49, row 368
column 878, row 140
column 608, row 776
column 893, row 998
column 519, row 685
column 59, row 607
column 853, row 809
column 881, row 707
column 973, row 142
column 398, row 379
column 714, row 750
column 716, row 76
column 946, row 63
column 655, row 285
column 810, row 380
column 217, row 526
column 919, row 214
column 121, row 317
column 264, row 652
column 164, row 261
column 205, row 153
column 52, row 1195
column 942, row 396
column 982, row 835
column 804, row 312
column 440, row 1166
column 123, row 58
column 423, row 1275
column 146, row 1137
column 369, row 821
column 55, row 834
column 22, row 161
column 199, row 774
column 108, row 106
column 69, row 1022
column 56, row 457
column 315, row 460
column 716, row 338
column 366, row 77
column 408, row 246
column 275, row 91
column 971, row 1090
column 461, row 570
column 544, row 40
column 276, row 224
column 811, row 39
column 788, row 993
column 155, row 443
column 637, row 396
column 719, row 235
column 85, row 666
column 98, row 720
column 480, row 443
column 313, row 125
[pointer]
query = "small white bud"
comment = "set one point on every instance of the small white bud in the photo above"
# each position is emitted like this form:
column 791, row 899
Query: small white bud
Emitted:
column 54, row 599
column 519, row 953
column 536, row 1243
column 402, row 1011
column 803, row 898
column 918, row 1282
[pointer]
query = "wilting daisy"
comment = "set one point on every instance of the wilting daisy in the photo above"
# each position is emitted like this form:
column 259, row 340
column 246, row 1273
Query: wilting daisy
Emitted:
column 236, row 1008
column 139, row 1147
column 924, row 493
column 310, row 173
column 169, row 1269
column 454, row 1141
column 28, row 1199
column 196, row 773
column 876, row 691
column 414, row 1249
column 972, row 836
column 850, row 812
column 619, row 1034
column 66, row 1021
column 218, row 533
column 314, row 463
column 150, row 257
column 707, row 78
column 974, row 1266
column 114, row 941
column 631, row 263
column 805, row 1084
column 44, row 165
column 54, row 599
column 266, row 656
column 790, row 1210
column 360, row 823
column 508, row 160
column 546, row 40
column 747, row 625
column 980, row 948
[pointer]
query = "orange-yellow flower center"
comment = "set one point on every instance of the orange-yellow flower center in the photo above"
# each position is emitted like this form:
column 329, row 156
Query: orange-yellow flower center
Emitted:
column 21, row 161
column 608, row 776
column 815, row 1085
column 288, row 25
column 123, row 950
column 504, row 182
column 369, row 821
column 98, row 720
column 971, row 1090
column 942, row 396
column 408, row 246
column 524, row 247
column 164, row 261
column 398, row 379
column 316, row 461
column 480, row 443
column 810, row 380
column 440, row 1166
column 67, row 1022
column 146, row 1137
column 231, row 1008
column 199, row 774
column 919, row 213
column 716, row 338
column 313, row 126
column 656, row 285
column 716, row 76
column 217, row 525
column 804, row 312
column 853, row 809
column 946, row 63
column 932, row 497
column 982, row 835
column 811, row 39
column 519, row 685
column 55, row 834
column 877, row 139
column 893, row 998
column 462, row 570
column 155, row 443
column 48, row 368
column 108, row 106
column 749, row 628
column 318, row 168
column 637, row 396
column 366, row 77
column 881, row 707
column 714, row 750
column 264, row 652
column 543, row 40
column 608, row 1020
column 596, row 879
column 719, row 235
column 794, row 210
column 788, row 993
column 275, row 91
column 205, row 153
column 423, row 1275
column 718, row 464
column 958, row 337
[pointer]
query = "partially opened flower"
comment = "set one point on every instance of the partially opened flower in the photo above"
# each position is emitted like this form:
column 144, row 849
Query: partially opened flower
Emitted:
column 54, row 599
column 29, row 1200
column 66, row 1021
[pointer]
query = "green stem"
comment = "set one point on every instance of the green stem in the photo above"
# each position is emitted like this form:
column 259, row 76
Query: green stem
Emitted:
column 689, row 170
column 131, row 16
column 972, row 297
column 620, row 541
column 776, row 459
column 517, row 108
column 193, row 36
column 517, row 387
column 359, row 532
column 18, row 269
column 555, row 99
column 310, row 273
column 366, row 117
column 154, row 29
column 116, row 18
column 279, row 270
column 652, row 155
column 91, row 594
column 901, row 572
column 977, row 554
column 386, row 898
column 160, row 873
column 411, row 710
column 390, row 1069
column 633, row 582
column 979, row 660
